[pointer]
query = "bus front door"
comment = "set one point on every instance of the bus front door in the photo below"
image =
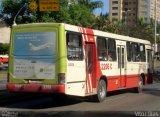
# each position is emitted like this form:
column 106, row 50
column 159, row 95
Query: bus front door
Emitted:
column 121, row 66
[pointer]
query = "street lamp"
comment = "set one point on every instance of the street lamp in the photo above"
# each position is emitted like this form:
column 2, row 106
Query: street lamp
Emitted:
column 126, row 15
column 126, row 19
column 14, row 21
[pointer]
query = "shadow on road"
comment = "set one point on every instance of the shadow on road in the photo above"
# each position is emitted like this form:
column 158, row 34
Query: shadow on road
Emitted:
column 31, row 101
column 48, row 101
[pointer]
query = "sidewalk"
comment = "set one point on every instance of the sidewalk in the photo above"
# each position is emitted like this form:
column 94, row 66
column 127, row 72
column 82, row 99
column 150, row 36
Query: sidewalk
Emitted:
column 3, row 75
column 3, row 80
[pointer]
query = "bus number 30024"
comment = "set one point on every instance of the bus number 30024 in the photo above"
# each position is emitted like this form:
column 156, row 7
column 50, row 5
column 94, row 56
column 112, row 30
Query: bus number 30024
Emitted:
column 106, row 66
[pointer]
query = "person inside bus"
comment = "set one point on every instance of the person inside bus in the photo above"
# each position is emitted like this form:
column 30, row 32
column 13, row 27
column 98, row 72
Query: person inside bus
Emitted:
column 104, row 55
column 109, row 57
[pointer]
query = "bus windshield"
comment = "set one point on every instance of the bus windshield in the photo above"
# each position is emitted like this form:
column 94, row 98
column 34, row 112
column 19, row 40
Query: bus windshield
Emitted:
column 34, row 54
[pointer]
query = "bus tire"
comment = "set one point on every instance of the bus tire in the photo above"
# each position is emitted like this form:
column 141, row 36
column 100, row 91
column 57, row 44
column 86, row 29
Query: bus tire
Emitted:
column 139, row 89
column 101, row 91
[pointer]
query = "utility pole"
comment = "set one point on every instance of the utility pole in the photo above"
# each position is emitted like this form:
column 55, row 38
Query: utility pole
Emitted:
column 126, row 20
column 155, row 29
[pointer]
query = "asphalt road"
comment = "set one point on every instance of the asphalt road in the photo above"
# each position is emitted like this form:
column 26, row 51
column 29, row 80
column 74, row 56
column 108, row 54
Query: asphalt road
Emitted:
column 121, row 103
column 117, row 104
column 149, row 100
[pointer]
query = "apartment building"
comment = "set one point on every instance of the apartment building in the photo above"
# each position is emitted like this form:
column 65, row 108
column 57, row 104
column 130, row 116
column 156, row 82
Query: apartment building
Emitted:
column 131, row 10
column 148, row 9
column 123, row 10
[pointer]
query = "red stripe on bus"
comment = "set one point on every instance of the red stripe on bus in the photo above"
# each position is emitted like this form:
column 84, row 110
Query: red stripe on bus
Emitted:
column 90, row 35
column 89, row 85
column 90, row 82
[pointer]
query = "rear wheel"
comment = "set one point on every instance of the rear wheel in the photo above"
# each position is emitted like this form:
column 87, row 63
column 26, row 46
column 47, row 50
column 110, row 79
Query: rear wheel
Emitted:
column 101, row 91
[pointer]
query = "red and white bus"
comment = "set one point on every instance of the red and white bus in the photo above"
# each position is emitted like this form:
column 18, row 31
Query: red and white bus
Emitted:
column 73, row 60
column 3, row 59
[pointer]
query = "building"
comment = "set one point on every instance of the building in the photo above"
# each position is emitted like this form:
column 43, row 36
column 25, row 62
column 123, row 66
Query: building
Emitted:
column 147, row 8
column 4, row 33
column 115, row 10
column 131, row 10
column 125, row 10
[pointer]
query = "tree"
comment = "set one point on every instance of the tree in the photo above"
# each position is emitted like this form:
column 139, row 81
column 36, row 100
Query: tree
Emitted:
column 69, row 13
column 81, row 15
column 4, row 48
column 10, row 9
column 91, row 4
column 139, row 29
column 103, row 23
column 142, row 30
column 77, row 12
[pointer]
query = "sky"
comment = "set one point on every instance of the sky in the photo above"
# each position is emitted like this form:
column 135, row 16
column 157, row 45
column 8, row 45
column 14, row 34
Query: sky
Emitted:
column 105, row 8
column 0, row 4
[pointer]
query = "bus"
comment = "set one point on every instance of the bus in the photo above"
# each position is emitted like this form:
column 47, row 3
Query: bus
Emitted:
column 72, row 60
column 3, row 59
column 4, row 62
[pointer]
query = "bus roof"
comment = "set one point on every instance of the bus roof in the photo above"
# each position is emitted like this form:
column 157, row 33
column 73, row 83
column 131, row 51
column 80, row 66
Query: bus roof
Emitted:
column 36, row 24
column 109, row 35
column 74, row 28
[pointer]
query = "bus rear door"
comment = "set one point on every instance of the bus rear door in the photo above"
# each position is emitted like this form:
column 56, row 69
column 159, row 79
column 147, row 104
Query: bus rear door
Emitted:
column 122, row 65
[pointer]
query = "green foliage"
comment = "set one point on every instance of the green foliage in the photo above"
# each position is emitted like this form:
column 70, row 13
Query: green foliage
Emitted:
column 139, row 29
column 10, row 9
column 103, row 23
column 91, row 4
column 4, row 48
column 76, row 14
column 81, row 15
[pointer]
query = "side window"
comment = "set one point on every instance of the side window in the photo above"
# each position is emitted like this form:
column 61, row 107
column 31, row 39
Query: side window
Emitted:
column 112, row 49
column 135, row 52
column 74, row 46
column 129, row 51
column 142, row 53
column 102, row 48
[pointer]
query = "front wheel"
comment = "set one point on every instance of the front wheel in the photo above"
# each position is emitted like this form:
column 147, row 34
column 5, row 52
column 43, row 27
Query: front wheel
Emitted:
column 101, row 91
